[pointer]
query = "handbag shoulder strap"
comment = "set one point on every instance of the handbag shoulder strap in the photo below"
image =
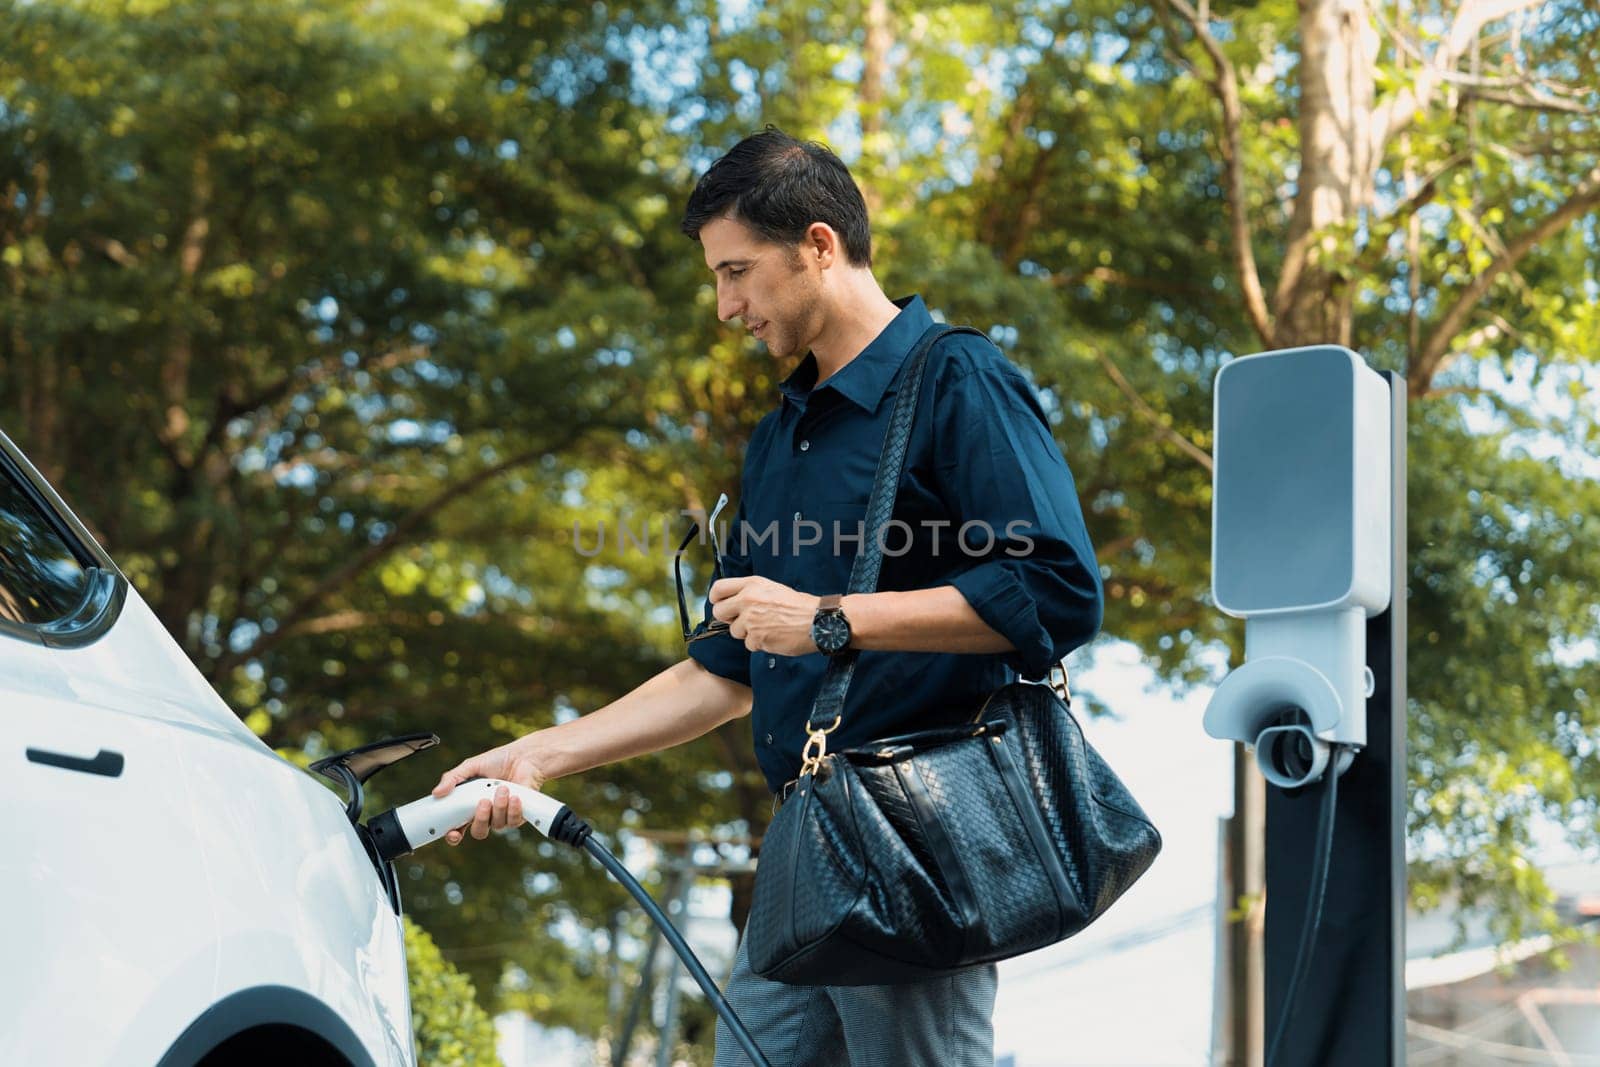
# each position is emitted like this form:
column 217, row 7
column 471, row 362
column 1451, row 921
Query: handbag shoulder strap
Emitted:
column 828, row 709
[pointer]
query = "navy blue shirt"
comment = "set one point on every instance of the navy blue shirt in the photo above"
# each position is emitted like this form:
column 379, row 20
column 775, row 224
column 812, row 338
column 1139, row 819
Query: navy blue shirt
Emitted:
column 986, row 504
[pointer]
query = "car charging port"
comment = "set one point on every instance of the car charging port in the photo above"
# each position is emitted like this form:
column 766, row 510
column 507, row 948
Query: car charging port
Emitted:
column 350, row 769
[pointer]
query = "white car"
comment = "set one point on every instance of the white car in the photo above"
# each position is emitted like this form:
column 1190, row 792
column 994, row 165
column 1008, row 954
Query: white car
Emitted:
column 171, row 891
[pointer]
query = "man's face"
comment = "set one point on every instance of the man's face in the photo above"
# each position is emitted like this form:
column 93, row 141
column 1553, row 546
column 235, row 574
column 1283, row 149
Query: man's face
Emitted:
column 766, row 285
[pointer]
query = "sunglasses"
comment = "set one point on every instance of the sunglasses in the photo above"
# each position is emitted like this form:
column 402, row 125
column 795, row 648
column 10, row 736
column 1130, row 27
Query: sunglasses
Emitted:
column 711, row 626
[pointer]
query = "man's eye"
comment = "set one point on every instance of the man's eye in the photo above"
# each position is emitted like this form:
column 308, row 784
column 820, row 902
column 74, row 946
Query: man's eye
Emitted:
column 735, row 273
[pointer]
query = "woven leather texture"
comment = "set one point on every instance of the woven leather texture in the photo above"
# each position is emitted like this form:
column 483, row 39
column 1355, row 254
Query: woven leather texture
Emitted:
column 1089, row 812
column 867, row 899
column 955, row 851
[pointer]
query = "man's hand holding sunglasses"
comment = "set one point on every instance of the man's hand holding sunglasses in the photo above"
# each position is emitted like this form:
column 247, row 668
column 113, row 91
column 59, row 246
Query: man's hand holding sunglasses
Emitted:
column 766, row 615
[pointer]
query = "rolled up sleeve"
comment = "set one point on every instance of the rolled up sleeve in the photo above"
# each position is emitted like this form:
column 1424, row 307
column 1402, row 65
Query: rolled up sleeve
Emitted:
column 723, row 654
column 1027, row 567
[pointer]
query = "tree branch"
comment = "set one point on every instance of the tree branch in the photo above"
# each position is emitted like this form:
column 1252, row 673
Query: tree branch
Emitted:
column 231, row 407
column 1426, row 190
column 1533, row 100
column 1225, row 84
column 1394, row 116
column 1473, row 391
column 1188, row 447
column 1105, row 552
column 1436, row 350
column 1024, row 106
column 1172, row 49
column 1112, row 276
column 180, row 354
column 345, row 621
column 1027, row 215
column 112, row 249
column 1419, row 195
column 397, row 536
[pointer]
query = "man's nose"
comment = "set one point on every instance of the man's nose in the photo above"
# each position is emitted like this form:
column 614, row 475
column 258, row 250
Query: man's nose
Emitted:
column 729, row 305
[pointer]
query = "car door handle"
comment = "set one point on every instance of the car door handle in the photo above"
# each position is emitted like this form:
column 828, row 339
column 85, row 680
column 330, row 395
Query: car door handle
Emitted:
column 106, row 762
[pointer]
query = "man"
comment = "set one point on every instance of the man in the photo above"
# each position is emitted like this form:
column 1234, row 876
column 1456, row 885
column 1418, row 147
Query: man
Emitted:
column 987, row 572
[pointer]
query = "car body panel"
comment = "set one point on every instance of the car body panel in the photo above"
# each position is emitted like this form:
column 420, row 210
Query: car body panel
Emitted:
column 96, row 969
column 208, row 866
column 275, row 849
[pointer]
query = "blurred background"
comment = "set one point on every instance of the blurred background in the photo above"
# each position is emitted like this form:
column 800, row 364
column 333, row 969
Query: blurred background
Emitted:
column 345, row 327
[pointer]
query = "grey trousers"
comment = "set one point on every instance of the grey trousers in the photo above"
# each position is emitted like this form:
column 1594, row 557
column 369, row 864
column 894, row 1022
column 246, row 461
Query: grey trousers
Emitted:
column 941, row 1022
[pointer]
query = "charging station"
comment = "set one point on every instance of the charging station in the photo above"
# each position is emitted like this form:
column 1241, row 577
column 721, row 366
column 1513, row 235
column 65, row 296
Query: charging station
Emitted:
column 1308, row 547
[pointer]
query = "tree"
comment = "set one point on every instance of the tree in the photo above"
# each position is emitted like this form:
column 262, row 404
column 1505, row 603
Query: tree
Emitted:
column 336, row 320
column 450, row 1027
column 1440, row 215
column 309, row 319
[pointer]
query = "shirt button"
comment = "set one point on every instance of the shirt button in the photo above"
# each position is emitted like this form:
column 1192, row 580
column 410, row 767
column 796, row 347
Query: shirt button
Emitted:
column 772, row 661
column 805, row 446
column 769, row 739
column 797, row 516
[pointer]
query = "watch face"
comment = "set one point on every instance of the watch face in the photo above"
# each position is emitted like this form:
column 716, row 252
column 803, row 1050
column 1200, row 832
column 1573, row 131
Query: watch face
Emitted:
column 831, row 632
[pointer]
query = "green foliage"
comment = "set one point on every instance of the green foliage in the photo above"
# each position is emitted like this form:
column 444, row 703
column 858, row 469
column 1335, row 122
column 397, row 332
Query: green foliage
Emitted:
column 1501, row 737
column 335, row 320
column 450, row 1029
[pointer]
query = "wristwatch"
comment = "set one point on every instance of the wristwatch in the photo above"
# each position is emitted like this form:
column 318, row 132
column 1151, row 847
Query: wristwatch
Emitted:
column 829, row 628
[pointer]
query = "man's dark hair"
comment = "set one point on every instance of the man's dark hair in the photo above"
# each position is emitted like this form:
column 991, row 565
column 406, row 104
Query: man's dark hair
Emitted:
column 779, row 186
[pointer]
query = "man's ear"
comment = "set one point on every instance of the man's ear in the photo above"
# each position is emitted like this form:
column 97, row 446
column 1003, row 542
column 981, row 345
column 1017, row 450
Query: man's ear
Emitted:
column 820, row 245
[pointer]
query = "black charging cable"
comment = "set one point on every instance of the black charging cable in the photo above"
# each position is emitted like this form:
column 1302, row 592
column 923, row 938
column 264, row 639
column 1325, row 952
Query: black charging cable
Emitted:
column 571, row 830
column 1319, row 886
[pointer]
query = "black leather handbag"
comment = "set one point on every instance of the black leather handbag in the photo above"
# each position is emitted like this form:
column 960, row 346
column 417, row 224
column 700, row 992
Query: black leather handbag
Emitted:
column 914, row 856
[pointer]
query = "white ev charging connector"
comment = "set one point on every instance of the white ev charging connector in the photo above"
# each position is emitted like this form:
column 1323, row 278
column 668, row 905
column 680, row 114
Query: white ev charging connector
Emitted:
column 405, row 829
column 1300, row 549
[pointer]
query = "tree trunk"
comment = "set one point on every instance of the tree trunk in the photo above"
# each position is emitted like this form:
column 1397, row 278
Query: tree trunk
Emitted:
column 875, row 62
column 874, row 67
column 1247, row 882
column 39, row 381
column 1337, row 75
column 186, row 580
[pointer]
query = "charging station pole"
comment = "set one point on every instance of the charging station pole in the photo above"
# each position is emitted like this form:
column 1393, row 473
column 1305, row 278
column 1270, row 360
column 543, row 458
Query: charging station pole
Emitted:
column 1351, row 1007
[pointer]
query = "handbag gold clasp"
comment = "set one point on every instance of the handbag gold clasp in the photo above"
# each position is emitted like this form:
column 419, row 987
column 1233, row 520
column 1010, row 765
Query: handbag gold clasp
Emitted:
column 1060, row 686
column 816, row 749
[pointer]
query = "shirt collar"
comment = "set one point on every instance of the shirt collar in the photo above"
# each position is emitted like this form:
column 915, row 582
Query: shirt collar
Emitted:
column 865, row 378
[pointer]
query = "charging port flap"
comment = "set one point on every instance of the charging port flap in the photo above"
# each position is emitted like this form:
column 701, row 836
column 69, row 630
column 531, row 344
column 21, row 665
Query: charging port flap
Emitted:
column 353, row 766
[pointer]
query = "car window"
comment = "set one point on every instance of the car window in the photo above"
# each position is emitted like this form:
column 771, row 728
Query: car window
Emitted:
column 41, row 578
